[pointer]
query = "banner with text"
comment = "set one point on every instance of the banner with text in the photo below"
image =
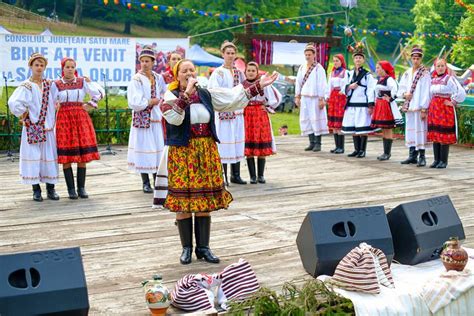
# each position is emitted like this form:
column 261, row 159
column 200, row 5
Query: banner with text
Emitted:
column 99, row 58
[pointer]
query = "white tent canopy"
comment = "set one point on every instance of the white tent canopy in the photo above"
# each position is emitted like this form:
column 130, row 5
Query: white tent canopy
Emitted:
column 4, row 30
column 202, row 58
column 452, row 67
column 47, row 32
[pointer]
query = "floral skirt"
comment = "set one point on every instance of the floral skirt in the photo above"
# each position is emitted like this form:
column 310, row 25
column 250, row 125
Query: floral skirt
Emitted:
column 195, row 182
column 75, row 134
column 441, row 122
column 336, row 104
column 258, row 131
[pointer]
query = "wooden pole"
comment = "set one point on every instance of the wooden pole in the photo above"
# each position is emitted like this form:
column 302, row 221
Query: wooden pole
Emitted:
column 248, row 38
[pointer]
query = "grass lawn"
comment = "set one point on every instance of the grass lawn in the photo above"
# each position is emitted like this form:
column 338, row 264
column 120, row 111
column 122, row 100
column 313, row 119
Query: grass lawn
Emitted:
column 289, row 119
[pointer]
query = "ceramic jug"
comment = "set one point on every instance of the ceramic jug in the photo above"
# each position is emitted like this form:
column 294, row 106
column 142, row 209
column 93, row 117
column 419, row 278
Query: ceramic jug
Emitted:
column 157, row 296
column 453, row 256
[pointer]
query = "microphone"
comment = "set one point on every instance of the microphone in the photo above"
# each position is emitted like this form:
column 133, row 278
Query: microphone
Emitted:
column 196, row 84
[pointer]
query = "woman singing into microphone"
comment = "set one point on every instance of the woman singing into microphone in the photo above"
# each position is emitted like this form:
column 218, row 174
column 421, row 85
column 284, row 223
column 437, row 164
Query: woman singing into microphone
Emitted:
column 195, row 182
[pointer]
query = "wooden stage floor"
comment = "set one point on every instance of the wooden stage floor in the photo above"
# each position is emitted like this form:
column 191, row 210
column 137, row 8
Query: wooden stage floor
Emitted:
column 124, row 241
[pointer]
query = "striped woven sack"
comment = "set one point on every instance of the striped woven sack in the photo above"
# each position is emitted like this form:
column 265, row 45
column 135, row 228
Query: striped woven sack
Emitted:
column 193, row 292
column 363, row 269
column 238, row 282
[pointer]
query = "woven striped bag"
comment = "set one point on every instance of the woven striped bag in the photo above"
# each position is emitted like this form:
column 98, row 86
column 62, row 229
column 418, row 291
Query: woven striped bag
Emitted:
column 238, row 282
column 195, row 292
column 363, row 269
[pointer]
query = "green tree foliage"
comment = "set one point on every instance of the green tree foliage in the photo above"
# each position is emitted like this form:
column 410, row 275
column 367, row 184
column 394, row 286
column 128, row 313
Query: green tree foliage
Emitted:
column 134, row 16
column 429, row 16
column 195, row 24
column 369, row 14
column 463, row 49
column 436, row 16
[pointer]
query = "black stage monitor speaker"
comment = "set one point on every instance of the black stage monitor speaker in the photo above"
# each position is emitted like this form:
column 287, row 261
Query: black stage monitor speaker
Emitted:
column 420, row 228
column 43, row 282
column 325, row 237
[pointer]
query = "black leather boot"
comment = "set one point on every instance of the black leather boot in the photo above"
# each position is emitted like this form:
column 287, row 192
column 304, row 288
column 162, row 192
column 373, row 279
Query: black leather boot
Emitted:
column 71, row 189
column 356, row 140
column 387, row 149
column 437, row 154
column 312, row 141
column 154, row 180
column 185, row 228
column 202, row 232
column 336, row 141
column 261, row 170
column 146, row 183
column 363, row 146
column 443, row 158
column 412, row 157
column 226, row 179
column 422, row 159
column 340, row 146
column 252, row 173
column 81, row 183
column 235, row 174
column 317, row 143
column 37, row 193
column 52, row 195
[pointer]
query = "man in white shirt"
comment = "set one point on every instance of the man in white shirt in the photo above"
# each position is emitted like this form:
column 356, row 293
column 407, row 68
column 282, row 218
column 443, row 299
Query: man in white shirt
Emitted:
column 414, row 87
column 309, row 96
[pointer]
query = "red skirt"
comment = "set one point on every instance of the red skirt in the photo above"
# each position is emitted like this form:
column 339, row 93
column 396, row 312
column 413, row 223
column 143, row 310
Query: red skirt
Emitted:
column 441, row 122
column 382, row 117
column 75, row 134
column 336, row 104
column 258, row 132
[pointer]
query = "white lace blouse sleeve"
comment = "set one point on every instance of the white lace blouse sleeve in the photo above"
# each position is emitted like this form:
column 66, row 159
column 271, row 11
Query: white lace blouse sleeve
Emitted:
column 458, row 94
column 135, row 96
column 162, row 86
column 322, row 81
column 226, row 100
column 299, row 80
column 327, row 93
column 20, row 99
column 393, row 86
column 425, row 85
column 273, row 96
column 403, row 85
column 95, row 91
column 215, row 80
column 371, row 82
column 171, row 112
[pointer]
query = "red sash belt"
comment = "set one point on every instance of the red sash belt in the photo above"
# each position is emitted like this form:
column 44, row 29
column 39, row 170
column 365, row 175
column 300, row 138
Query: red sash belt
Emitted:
column 201, row 130
column 255, row 103
column 72, row 103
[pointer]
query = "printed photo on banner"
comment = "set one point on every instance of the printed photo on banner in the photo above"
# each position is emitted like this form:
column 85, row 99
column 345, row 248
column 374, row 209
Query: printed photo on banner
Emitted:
column 163, row 48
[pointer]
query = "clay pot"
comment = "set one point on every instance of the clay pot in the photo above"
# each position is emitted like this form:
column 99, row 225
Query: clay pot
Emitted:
column 157, row 296
column 453, row 256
